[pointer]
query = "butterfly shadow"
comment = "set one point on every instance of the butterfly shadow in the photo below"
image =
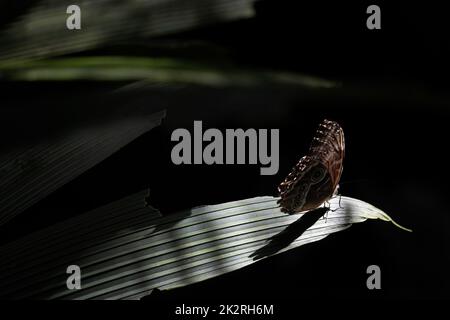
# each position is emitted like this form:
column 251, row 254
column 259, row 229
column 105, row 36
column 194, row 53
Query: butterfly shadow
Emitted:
column 290, row 234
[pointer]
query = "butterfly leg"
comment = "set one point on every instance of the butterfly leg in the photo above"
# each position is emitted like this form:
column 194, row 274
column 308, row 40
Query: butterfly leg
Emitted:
column 327, row 205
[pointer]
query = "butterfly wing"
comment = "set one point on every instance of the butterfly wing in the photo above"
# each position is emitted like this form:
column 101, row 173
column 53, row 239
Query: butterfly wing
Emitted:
column 316, row 176
column 328, row 147
column 294, row 189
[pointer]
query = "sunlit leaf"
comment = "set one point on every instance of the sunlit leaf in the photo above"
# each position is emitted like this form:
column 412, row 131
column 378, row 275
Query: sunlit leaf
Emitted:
column 129, row 250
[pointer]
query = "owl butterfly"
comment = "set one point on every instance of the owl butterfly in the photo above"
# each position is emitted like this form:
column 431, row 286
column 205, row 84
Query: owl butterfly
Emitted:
column 316, row 176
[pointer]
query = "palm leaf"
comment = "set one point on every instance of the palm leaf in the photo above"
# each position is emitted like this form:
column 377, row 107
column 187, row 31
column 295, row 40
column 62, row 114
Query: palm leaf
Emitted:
column 42, row 32
column 155, row 70
column 130, row 250
column 29, row 173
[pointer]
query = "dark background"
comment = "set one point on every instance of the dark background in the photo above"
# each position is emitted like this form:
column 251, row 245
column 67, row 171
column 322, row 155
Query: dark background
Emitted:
column 392, row 104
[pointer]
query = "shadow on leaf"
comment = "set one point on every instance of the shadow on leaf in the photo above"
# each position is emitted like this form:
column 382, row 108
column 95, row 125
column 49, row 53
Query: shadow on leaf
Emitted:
column 290, row 234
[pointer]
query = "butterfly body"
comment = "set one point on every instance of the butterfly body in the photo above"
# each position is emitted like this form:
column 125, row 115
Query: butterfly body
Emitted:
column 316, row 176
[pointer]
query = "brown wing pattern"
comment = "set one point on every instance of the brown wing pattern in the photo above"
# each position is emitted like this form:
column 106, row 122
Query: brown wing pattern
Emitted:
column 315, row 178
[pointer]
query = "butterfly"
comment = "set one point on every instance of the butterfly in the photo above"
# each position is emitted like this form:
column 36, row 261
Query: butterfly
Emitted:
column 315, row 178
